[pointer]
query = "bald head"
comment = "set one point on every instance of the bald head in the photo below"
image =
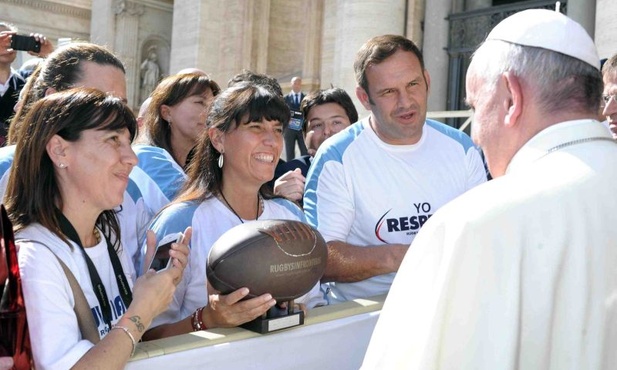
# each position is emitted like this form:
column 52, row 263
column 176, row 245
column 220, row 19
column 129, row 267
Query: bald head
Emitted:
column 296, row 84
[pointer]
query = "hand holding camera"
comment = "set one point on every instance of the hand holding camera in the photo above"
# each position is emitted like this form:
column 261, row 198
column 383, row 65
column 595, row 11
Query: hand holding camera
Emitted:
column 36, row 44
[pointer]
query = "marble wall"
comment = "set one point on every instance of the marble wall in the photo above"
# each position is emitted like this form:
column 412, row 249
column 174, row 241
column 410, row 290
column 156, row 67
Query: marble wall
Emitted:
column 315, row 39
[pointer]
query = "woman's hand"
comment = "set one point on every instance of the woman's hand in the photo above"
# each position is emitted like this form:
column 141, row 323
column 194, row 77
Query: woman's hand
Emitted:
column 290, row 185
column 179, row 251
column 154, row 291
column 5, row 42
column 229, row 311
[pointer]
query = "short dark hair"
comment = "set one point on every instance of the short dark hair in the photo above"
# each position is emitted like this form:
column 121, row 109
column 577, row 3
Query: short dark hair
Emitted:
column 333, row 95
column 378, row 49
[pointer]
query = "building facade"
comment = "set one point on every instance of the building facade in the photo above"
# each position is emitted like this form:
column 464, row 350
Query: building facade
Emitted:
column 315, row 39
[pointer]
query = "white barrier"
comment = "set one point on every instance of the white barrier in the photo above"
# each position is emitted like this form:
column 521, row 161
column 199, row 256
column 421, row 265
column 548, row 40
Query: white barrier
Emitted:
column 332, row 337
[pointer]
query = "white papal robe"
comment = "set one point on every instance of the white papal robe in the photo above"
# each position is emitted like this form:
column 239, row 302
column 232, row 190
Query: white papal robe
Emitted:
column 518, row 273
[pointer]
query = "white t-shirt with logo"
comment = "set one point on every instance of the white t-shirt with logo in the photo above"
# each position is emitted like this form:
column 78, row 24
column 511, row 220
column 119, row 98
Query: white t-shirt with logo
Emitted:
column 363, row 191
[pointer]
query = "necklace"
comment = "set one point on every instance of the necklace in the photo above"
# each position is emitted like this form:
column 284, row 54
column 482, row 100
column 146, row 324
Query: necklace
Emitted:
column 97, row 235
column 259, row 206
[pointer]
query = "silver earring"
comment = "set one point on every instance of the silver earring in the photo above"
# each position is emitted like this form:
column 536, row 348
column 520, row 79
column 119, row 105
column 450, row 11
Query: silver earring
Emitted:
column 61, row 165
column 221, row 160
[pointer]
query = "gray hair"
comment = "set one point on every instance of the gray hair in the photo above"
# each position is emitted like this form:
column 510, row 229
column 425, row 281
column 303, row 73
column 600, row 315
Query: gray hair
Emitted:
column 610, row 66
column 561, row 82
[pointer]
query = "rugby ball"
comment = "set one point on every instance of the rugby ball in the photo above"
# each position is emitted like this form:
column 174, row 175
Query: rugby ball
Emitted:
column 282, row 257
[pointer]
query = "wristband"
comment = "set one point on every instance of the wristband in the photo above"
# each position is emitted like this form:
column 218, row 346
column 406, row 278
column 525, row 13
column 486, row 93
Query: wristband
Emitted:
column 196, row 320
column 126, row 330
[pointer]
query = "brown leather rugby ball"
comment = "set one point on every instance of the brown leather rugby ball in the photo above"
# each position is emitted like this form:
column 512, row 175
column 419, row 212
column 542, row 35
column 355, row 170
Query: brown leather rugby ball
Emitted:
column 282, row 257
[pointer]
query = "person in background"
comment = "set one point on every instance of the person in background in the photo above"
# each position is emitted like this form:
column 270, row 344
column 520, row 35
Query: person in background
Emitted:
column 143, row 108
column 27, row 67
column 227, row 187
column 609, row 96
column 176, row 115
column 11, row 82
column 293, row 132
column 72, row 166
column 371, row 187
column 518, row 273
column 266, row 81
column 325, row 112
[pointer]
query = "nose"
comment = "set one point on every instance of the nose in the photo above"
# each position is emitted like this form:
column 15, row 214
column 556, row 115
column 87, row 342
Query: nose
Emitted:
column 272, row 138
column 328, row 129
column 128, row 155
column 610, row 107
column 405, row 98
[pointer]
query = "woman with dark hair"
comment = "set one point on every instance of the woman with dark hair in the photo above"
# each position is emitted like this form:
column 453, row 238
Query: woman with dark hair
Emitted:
column 176, row 115
column 71, row 169
column 227, row 186
column 152, row 183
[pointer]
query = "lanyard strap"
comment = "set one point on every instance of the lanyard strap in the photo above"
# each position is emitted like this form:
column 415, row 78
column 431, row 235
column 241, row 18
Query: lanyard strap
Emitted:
column 97, row 285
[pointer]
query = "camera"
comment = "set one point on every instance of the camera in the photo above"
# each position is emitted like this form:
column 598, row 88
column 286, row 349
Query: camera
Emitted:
column 26, row 43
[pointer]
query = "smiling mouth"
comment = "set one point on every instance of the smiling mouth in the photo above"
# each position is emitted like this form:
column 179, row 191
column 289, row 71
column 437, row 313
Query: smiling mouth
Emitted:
column 268, row 158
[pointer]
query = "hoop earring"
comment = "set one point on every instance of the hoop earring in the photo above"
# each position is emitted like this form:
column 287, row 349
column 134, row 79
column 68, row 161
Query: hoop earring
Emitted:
column 221, row 159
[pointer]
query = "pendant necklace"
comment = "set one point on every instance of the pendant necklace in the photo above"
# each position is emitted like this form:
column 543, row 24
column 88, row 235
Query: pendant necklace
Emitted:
column 259, row 206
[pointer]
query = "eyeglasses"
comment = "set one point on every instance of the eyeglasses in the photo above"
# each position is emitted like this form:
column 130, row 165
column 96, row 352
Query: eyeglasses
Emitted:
column 607, row 98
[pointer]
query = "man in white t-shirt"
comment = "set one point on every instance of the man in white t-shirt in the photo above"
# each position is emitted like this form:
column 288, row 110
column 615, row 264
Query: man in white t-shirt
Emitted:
column 372, row 186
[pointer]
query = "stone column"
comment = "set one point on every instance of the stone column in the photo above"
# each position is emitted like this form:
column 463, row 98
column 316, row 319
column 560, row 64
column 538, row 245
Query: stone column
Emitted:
column 606, row 28
column 436, row 30
column 584, row 12
column 312, row 48
column 255, row 37
column 415, row 17
column 102, row 26
column 356, row 22
column 126, row 44
column 185, row 36
column 199, row 38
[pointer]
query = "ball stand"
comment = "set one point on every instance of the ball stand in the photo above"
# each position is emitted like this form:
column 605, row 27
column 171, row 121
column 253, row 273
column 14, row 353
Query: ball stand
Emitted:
column 276, row 318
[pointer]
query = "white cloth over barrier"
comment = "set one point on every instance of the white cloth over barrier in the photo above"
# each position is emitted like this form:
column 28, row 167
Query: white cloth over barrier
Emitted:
column 333, row 337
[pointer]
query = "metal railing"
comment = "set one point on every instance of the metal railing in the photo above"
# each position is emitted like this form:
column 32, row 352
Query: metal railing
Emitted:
column 453, row 114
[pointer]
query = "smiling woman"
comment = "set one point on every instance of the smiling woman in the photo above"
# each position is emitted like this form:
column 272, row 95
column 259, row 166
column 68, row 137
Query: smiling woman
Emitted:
column 71, row 168
column 227, row 187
